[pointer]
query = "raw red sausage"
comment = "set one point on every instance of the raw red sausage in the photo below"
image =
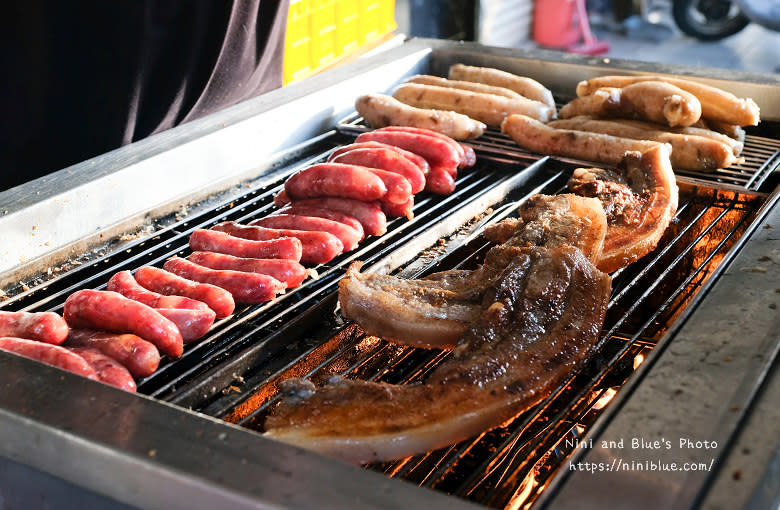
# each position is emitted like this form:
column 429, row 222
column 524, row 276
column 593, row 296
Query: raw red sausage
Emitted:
column 385, row 159
column 221, row 242
column 440, row 182
column 318, row 247
column 369, row 214
column 108, row 370
column 466, row 154
column 348, row 236
column 439, row 154
column 335, row 180
column 140, row 357
column 321, row 212
column 124, row 283
column 288, row 272
column 192, row 324
column 418, row 160
column 46, row 327
column 111, row 311
column 400, row 210
column 53, row 355
column 249, row 288
column 165, row 282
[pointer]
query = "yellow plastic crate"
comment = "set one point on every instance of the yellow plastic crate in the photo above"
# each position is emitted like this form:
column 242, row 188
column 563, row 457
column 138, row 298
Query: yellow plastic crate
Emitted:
column 320, row 32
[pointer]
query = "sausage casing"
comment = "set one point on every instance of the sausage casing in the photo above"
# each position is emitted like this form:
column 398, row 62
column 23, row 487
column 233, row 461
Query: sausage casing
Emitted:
column 54, row 355
column 335, row 180
column 247, row 288
column 46, row 327
column 381, row 110
column 289, row 272
column 140, row 357
column 524, row 86
column 438, row 153
column 109, row 370
column 221, row 242
column 716, row 104
column 539, row 137
column 658, row 102
column 165, row 282
column 385, row 159
column 318, row 247
column 348, row 236
column 369, row 214
column 124, row 283
column 111, row 311
column 322, row 212
column 488, row 108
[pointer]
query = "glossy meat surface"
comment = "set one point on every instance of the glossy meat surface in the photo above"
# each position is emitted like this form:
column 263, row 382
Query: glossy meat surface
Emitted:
column 538, row 319
column 639, row 198
column 555, row 220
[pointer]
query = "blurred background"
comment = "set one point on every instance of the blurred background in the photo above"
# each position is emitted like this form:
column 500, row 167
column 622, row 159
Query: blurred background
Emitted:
column 719, row 35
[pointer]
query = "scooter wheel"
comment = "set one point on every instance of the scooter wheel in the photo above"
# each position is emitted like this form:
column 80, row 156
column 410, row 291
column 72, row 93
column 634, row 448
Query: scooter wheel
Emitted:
column 708, row 20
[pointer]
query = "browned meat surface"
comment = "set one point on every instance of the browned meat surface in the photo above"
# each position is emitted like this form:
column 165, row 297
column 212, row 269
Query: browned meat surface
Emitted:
column 639, row 198
column 555, row 220
column 437, row 310
column 538, row 320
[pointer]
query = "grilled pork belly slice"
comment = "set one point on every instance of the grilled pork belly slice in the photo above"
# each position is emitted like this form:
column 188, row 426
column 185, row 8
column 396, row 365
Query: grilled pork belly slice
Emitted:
column 555, row 220
column 639, row 198
column 538, row 321
column 434, row 311
column 437, row 310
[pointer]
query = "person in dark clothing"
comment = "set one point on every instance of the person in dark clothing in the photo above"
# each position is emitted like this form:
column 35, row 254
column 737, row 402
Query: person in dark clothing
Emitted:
column 81, row 78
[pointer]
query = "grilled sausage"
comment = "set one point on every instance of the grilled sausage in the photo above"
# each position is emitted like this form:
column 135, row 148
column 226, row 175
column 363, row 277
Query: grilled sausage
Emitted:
column 335, row 180
column 167, row 283
column 653, row 101
column 53, row 355
column 140, row 357
column 418, row 160
column 381, row 110
column 538, row 137
column 438, row 153
column 688, row 151
column 348, row 236
column 385, row 159
column 192, row 324
column 287, row 271
column 321, row 212
column 111, row 311
column 524, row 86
column 318, row 247
column 220, row 242
column 46, row 327
column 487, row 108
column 124, row 283
column 716, row 104
column 109, row 370
column 473, row 86
column 369, row 214
column 248, row 288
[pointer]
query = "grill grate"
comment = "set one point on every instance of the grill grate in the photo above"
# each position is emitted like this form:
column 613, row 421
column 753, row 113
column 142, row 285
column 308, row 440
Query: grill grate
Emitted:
column 233, row 373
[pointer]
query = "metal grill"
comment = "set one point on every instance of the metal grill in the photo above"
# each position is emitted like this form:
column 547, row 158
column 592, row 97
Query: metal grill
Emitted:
column 233, row 372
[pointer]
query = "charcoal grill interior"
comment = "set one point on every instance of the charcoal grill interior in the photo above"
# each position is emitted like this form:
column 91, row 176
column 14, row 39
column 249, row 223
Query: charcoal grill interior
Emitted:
column 232, row 374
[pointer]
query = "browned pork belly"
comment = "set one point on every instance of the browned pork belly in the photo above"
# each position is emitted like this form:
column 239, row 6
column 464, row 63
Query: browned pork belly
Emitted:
column 639, row 198
column 555, row 220
column 538, row 321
